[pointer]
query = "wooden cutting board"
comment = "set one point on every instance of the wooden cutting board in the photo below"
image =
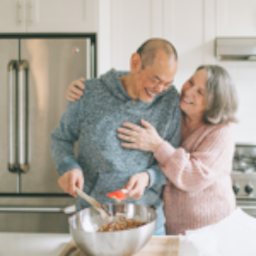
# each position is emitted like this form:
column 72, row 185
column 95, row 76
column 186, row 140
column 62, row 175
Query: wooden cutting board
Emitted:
column 157, row 246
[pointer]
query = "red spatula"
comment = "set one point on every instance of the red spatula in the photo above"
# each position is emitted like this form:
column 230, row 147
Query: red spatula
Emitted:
column 118, row 195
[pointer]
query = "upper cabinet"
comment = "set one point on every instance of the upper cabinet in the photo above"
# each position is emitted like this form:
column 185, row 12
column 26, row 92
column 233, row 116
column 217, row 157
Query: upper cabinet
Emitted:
column 236, row 18
column 62, row 15
column 12, row 16
column 133, row 22
column 48, row 16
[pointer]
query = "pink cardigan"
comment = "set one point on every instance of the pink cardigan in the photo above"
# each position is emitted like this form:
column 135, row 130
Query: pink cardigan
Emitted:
column 199, row 189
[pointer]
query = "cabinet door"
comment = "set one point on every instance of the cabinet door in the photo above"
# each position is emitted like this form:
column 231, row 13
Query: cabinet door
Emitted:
column 62, row 15
column 12, row 16
column 236, row 17
column 183, row 26
column 132, row 23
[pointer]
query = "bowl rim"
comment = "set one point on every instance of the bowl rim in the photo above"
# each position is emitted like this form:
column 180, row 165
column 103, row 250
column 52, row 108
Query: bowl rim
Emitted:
column 74, row 215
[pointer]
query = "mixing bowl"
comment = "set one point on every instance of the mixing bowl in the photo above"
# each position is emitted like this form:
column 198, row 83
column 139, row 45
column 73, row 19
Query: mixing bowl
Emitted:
column 84, row 224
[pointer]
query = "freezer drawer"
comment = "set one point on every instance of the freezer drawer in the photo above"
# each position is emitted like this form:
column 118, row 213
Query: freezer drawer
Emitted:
column 35, row 214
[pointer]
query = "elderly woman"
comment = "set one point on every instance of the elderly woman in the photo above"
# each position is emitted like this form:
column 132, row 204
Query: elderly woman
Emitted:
column 199, row 190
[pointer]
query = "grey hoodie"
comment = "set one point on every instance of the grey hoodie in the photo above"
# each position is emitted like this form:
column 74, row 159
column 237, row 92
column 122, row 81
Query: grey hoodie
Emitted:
column 93, row 121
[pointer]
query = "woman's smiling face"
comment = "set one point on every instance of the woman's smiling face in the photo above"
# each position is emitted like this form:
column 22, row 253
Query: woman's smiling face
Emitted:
column 193, row 96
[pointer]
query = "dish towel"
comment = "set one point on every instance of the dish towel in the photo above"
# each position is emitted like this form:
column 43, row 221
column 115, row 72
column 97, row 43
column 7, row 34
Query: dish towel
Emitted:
column 235, row 235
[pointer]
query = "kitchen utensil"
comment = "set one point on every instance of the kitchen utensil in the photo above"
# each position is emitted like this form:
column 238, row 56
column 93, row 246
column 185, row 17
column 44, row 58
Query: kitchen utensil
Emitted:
column 97, row 205
column 84, row 224
column 118, row 195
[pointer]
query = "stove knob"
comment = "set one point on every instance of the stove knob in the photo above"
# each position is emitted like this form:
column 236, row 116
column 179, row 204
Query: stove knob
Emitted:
column 248, row 189
column 236, row 188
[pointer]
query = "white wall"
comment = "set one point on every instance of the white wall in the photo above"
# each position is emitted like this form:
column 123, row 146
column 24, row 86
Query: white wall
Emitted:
column 244, row 76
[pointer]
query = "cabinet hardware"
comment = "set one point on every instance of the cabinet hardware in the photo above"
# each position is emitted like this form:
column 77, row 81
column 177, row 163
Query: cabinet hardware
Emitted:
column 18, row 8
column 30, row 7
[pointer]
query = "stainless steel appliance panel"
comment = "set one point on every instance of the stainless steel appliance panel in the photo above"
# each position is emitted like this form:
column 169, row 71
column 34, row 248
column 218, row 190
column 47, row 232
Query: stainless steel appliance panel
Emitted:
column 53, row 64
column 25, row 214
column 32, row 101
column 8, row 51
column 244, row 177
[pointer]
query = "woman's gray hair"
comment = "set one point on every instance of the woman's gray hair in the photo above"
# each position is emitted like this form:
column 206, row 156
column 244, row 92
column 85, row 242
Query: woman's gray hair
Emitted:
column 221, row 97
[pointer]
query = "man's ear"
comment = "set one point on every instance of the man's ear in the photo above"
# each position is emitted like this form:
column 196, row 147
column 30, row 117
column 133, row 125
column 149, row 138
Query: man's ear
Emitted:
column 136, row 63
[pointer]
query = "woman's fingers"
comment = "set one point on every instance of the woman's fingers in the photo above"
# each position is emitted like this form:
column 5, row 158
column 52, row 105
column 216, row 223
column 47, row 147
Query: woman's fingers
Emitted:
column 127, row 131
column 133, row 127
column 129, row 145
column 76, row 90
column 79, row 83
column 137, row 127
column 126, row 138
column 74, row 95
column 146, row 124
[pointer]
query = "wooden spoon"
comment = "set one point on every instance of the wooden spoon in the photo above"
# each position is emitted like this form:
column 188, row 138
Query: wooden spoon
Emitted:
column 97, row 205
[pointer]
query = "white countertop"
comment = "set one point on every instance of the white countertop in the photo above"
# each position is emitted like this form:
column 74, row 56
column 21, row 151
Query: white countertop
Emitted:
column 43, row 244
column 30, row 244
column 234, row 235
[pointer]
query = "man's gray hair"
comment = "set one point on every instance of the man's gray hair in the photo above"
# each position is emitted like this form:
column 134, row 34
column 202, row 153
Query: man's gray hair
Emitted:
column 149, row 48
column 221, row 97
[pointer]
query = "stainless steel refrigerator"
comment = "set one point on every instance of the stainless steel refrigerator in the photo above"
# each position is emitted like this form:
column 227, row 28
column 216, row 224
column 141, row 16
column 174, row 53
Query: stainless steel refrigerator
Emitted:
column 35, row 71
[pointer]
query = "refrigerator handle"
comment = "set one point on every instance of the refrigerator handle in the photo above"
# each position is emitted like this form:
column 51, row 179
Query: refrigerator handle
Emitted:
column 88, row 59
column 67, row 210
column 23, row 115
column 12, row 115
column 92, row 60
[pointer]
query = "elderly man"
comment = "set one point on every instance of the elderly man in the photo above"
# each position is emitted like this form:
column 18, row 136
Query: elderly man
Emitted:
column 103, row 165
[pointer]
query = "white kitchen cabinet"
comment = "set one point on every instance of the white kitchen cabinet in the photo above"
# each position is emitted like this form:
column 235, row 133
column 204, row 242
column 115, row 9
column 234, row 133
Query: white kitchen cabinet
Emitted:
column 236, row 18
column 48, row 16
column 179, row 21
column 62, row 16
column 12, row 16
column 183, row 26
column 133, row 22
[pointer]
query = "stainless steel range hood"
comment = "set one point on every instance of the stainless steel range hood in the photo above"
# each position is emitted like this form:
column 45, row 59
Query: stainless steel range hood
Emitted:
column 235, row 49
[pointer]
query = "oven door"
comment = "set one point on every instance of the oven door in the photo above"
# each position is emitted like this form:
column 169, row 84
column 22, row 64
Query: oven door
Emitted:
column 248, row 205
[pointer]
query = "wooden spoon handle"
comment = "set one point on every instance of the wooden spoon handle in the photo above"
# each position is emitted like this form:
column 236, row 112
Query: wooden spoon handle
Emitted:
column 98, row 206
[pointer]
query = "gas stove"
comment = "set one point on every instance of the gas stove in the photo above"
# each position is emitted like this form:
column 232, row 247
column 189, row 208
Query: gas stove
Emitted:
column 244, row 177
column 244, row 171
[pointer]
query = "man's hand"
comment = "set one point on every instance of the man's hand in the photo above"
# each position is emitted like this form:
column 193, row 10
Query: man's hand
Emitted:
column 74, row 91
column 70, row 179
column 137, row 184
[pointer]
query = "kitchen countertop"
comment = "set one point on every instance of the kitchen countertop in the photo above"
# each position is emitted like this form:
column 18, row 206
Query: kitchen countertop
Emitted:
column 43, row 244
column 32, row 244
column 234, row 235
